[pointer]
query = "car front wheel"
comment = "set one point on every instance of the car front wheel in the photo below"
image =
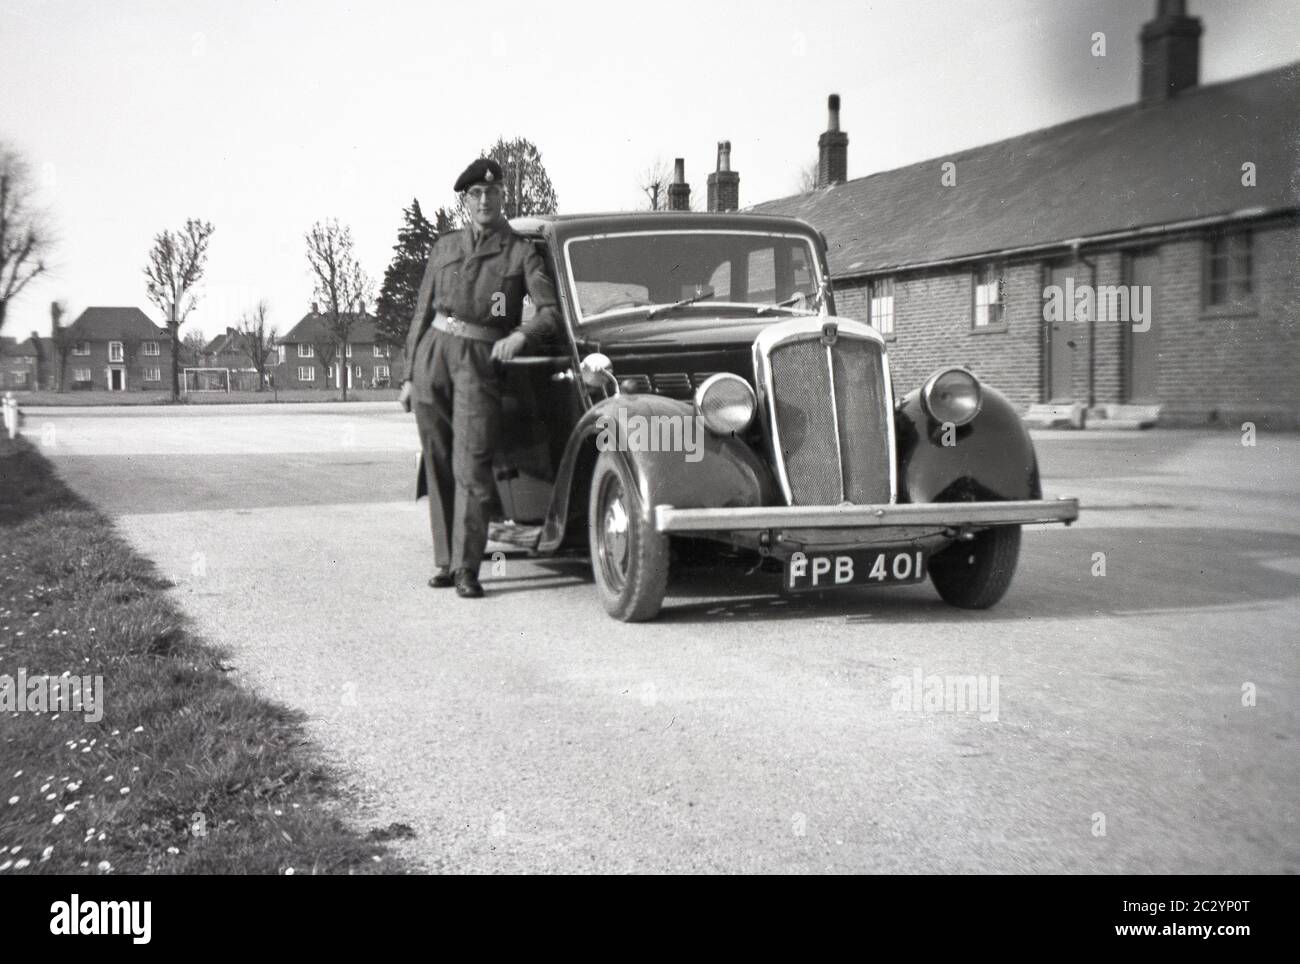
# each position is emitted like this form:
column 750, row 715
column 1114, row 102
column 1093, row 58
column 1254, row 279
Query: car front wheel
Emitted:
column 628, row 557
column 976, row 574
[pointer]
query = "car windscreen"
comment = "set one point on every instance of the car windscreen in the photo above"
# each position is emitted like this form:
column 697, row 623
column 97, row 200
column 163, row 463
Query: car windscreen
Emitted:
column 614, row 274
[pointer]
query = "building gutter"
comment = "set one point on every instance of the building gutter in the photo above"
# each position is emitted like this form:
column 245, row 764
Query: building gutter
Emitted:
column 1073, row 245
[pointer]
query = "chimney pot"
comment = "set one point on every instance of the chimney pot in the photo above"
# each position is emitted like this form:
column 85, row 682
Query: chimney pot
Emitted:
column 833, row 148
column 1170, row 57
column 679, row 192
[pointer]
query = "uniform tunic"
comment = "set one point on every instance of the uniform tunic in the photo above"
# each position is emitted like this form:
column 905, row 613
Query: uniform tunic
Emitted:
column 456, row 386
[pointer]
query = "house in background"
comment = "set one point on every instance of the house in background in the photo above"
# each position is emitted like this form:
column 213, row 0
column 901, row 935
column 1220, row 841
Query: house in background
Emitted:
column 118, row 349
column 367, row 361
column 24, row 365
column 230, row 350
column 1189, row 196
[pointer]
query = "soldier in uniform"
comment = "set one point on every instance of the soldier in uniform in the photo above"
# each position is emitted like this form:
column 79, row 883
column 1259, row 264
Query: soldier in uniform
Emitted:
column 466, row 323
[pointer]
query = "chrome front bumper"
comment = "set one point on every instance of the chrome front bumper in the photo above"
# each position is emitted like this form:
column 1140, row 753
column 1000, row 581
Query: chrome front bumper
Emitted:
column 946, row 514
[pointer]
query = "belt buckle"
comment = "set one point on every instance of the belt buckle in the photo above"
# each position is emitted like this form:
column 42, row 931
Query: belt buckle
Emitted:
column 455, row 326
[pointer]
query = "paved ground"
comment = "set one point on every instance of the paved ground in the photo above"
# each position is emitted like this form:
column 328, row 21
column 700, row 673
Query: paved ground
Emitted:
column 742, row 732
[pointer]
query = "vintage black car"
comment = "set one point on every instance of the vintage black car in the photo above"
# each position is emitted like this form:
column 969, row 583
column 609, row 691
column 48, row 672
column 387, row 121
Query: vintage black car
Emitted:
column 706, row 389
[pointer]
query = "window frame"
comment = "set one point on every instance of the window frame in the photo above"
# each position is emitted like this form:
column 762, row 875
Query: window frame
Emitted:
column 873, row 287
column 311, row 373
column 306, row 350
column 151, row 349
column 1235, row 243
column 980, row 276
column 81, row 349
column 118, row 356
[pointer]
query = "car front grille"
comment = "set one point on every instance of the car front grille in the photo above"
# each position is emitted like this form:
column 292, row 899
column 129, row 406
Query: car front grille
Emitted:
column 830, row 419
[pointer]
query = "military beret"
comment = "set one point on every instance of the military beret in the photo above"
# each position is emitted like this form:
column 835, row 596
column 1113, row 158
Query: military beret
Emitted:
column 483, row 171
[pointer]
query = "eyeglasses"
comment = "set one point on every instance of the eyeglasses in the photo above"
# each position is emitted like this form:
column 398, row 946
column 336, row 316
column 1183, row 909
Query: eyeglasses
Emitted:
column 478, row 193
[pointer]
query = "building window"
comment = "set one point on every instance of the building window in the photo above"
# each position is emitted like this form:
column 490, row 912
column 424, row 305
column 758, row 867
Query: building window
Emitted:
column 115, row 351
column 279, row 354
column 356, row 372
column 81, row 348
column 81, row 374
column 306, row 351
column 153, row 374
column 306, row 374
column 881, row 300
column 990, row 297
column 1229, row 269
column 151, row 348
column 347, row 350
column 381, row 371
column 381, row 351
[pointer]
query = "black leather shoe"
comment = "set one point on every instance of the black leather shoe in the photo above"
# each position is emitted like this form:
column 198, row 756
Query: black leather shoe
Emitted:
column 467, row 585
column 441, row 579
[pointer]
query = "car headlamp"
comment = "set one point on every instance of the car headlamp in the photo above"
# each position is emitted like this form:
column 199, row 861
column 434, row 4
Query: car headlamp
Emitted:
column 726, row 403
column 952, row 395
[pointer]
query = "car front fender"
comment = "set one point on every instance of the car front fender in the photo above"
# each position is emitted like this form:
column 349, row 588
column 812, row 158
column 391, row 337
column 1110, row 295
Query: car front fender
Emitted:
column 989, row 459
column 704, row 471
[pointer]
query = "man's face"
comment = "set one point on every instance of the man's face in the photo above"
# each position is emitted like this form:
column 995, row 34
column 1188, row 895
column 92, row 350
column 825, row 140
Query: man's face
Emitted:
column 484, row 203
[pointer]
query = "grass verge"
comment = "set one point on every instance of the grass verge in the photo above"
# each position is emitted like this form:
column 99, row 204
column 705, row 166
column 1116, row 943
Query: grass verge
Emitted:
column 285, row 395
column 184, row 772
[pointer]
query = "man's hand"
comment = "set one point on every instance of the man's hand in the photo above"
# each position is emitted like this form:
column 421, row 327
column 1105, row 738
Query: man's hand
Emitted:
column 404, row 397
column 509, row 346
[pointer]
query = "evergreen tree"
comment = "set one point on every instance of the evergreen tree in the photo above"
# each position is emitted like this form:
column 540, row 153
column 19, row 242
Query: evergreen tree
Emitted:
column 402, row 277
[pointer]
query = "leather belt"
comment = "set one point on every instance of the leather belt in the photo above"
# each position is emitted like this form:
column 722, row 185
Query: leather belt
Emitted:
column 467, row 329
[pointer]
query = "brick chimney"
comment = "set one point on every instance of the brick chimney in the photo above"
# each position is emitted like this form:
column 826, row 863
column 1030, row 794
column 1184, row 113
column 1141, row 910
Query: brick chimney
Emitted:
column 679, row 192
column 724, row 183
column 315, row 308
column 833, row 149
column 1170, row 60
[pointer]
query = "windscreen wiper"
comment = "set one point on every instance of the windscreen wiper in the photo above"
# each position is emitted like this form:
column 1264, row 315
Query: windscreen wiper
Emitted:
column 787, row 303
column 678, row 304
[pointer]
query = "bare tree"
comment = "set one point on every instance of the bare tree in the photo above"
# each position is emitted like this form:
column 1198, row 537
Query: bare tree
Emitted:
column 258, row 340
column 25, row 239
column 808, row 178
column 62, row 341
column 654, row 181
column 342, row 286
column 192, row 346
column 326, row 351
column 176, row 265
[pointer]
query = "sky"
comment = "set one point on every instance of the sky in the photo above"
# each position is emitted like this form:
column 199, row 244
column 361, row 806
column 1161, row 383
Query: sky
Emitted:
column 264, row 117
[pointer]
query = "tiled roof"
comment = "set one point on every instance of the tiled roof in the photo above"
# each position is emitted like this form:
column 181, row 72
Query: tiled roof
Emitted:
column 115, row 324
column 311, row 330
column 1142, row 165
column 15, row 348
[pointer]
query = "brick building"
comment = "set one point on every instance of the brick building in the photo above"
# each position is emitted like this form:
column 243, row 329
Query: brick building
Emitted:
column 368, row 362
column 1029, row 260
column 118, row 349
column 24, row 364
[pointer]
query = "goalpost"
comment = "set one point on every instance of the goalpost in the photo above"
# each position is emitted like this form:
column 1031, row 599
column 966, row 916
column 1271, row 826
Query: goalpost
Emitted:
column 206, row 380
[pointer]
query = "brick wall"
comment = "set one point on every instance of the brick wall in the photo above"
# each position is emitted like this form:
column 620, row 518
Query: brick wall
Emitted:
column 286, row 375
column 135, row 364
column 1216, row 366
column 933, row 328
column 1229, row 366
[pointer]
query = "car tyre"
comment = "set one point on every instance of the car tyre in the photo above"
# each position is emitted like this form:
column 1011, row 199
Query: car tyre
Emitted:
column 629, row 559
column 976, row 574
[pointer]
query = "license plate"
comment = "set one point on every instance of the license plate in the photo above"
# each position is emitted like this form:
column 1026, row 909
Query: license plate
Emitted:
column 856, row 567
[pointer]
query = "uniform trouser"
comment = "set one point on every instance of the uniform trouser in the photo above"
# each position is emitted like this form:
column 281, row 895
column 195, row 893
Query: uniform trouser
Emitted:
column 460, row 428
